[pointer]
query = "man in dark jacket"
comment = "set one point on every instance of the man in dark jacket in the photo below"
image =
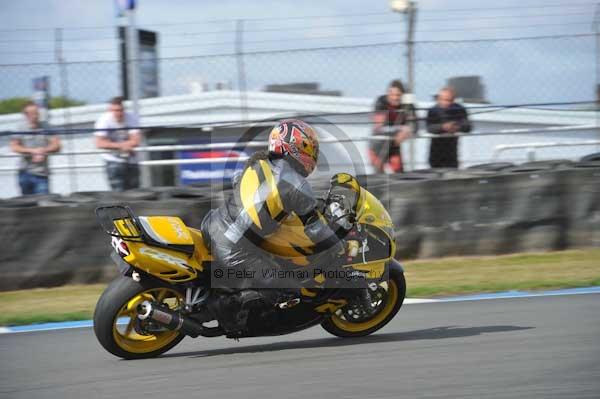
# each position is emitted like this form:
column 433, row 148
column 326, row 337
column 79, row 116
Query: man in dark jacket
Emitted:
column 446, row 118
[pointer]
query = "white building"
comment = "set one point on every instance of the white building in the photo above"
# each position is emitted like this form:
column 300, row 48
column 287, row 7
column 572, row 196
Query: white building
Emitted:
column 220, row 107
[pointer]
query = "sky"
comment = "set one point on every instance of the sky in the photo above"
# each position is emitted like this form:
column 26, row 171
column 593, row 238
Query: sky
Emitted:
column 360, row 45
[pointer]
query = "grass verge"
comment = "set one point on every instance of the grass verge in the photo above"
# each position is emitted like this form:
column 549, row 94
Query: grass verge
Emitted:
column 539, row 271
column 43, row 305
column 425, row 278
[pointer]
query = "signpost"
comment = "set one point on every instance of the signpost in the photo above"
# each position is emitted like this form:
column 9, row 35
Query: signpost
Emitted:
column 146, row 65
column 139, row 66
column 41, row 95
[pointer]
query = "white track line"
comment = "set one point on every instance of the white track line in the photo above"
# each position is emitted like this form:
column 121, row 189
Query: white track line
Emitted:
column 407, row 301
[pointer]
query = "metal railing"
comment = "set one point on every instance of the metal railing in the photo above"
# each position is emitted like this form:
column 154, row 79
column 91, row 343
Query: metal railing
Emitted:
column 262, row 144
column 532, row 147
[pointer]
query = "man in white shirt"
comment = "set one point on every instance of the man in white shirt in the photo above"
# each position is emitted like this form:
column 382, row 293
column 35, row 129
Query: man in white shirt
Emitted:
column 114, row 133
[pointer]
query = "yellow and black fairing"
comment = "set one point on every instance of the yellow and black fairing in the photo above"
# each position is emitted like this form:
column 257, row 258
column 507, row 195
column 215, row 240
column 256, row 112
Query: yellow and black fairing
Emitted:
column 374, row 231
column 379, row 245
column 376, row 228
column 162, row 246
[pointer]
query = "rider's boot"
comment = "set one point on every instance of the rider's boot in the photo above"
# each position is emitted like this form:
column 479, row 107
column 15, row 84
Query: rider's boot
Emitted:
column 280, row 298
column 232, row 310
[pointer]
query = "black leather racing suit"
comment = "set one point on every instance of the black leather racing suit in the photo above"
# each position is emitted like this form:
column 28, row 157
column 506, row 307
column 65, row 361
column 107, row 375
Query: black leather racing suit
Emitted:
column 277, row 190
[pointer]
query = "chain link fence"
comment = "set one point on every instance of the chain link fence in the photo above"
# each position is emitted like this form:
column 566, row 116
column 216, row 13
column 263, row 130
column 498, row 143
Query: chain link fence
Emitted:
column 513, row 71
column 544, row 70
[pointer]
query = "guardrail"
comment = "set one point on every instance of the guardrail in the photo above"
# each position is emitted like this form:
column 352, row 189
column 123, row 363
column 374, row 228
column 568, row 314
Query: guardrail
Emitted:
column 262, row 144
column 532, row 147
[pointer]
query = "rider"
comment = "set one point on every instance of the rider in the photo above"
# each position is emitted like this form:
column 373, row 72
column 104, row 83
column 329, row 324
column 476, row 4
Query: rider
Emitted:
column 271, row 187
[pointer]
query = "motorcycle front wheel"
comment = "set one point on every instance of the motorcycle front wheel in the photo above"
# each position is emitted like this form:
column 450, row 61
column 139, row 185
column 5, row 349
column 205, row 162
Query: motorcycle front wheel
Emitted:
column 118, row 328
column 358, row 319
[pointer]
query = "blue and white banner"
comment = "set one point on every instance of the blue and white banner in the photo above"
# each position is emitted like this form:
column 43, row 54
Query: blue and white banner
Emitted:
column 209, row 172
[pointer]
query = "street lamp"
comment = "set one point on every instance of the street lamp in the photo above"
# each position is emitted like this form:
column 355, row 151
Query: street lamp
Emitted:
column 408, row 8
column 596, row 28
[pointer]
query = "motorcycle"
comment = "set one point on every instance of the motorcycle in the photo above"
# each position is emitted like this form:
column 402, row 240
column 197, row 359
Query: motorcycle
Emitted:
column 163, row 292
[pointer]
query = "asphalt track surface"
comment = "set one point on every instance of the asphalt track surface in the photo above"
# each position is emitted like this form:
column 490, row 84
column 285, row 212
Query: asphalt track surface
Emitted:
column 546, row 347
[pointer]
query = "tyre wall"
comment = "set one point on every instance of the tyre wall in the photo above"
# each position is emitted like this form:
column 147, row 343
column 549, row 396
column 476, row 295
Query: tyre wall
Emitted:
column 52, row 240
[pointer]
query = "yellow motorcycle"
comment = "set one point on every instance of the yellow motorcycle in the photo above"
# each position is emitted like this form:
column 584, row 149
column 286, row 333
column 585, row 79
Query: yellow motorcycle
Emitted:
column 164, row 289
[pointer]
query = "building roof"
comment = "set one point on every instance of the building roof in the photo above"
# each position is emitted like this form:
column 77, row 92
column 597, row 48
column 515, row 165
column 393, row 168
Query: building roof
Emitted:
column 224, row 106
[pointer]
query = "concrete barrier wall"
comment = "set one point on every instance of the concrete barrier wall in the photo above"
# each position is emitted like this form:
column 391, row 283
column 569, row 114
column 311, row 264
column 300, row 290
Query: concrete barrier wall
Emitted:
column 52, row 240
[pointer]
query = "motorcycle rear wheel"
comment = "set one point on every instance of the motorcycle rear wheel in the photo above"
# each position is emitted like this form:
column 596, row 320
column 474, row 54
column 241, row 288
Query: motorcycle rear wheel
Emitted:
column 342, row 325
column 117, row 326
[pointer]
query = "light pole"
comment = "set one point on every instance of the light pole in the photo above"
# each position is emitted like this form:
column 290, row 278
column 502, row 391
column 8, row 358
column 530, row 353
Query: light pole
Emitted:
column 596, row 28
column 132, row 65
column 409, row 9
column 133, row 61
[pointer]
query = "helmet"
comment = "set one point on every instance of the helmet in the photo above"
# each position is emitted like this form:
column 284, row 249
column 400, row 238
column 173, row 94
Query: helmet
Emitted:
column 297, row 142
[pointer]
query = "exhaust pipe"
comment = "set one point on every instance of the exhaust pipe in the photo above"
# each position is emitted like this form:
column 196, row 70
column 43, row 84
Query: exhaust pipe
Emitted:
column 169, row 319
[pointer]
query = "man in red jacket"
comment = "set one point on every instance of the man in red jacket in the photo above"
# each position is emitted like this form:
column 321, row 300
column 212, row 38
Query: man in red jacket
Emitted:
column 396, row 121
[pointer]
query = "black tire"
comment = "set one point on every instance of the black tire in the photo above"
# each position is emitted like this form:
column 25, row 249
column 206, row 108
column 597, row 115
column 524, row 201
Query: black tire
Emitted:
column 118, row 293
column 331, row 327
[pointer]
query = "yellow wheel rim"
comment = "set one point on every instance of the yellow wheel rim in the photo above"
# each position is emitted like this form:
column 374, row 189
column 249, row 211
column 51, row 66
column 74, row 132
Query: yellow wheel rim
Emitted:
column 124, row 332
column 350, row 326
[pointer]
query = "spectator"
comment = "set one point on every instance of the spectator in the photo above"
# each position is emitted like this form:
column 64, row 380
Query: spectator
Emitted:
column 395, row 120
column 115, row 135
column 446, row 118
column 34, row 148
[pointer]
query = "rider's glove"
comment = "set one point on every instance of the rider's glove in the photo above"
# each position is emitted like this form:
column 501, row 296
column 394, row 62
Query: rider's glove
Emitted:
column 352, row 248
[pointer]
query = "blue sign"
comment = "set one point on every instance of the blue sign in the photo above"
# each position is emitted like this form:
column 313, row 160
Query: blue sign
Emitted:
column 211, row 172
column 125, row 4
column 122, row 5
column 41, row 95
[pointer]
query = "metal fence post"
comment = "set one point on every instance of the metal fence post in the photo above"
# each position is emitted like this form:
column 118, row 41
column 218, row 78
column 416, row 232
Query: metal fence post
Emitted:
column 239, row 53
column 596, row 28
column 64, row 85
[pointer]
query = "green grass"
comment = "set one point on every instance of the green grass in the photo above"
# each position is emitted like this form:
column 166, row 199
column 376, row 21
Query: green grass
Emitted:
column 425, row 278
column 32, row 318
column 541, row 271
column 42, row 305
